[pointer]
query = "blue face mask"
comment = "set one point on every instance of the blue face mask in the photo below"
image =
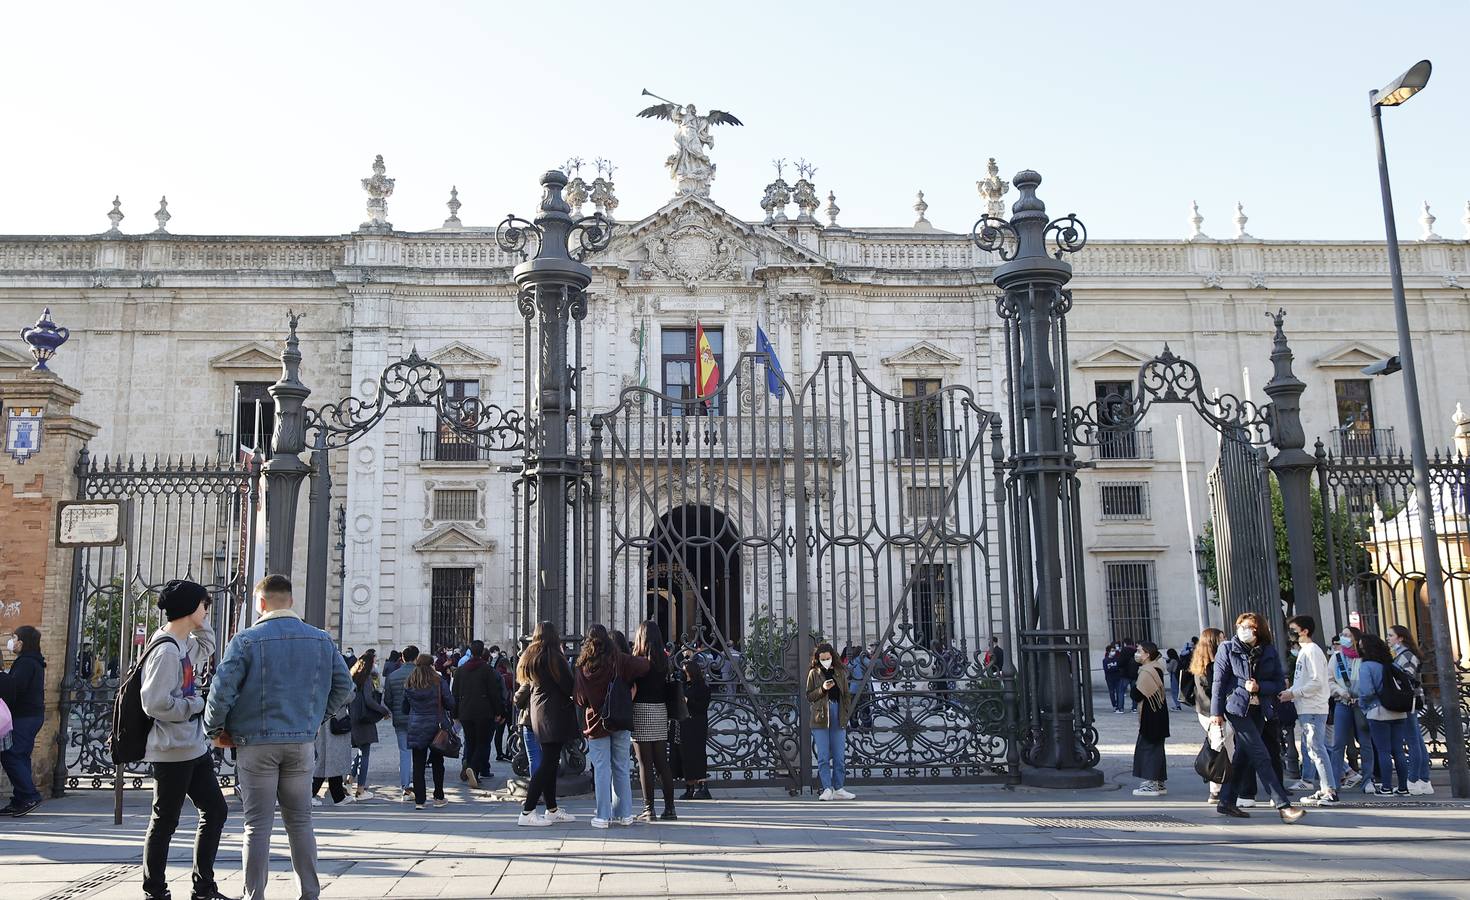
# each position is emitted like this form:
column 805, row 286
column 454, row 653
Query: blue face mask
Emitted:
column 1345, row 641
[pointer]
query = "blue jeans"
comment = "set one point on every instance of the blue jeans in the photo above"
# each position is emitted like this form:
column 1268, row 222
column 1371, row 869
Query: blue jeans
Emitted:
column 831, row 750
column 1388, row 752
column 360, row 765
column 1117, row 692
column 405, row 761
column 533, row 748
column 1349, row 720
column 1251, row 761
column 612, row 773
column 1314, row 749
column 1418, row 753
column 16, row 759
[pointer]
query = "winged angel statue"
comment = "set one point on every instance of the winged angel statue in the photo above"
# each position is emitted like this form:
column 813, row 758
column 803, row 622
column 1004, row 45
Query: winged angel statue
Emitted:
column 690, row 166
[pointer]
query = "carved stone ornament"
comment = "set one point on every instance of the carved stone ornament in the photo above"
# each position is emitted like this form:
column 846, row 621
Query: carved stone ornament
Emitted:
column 691, row 250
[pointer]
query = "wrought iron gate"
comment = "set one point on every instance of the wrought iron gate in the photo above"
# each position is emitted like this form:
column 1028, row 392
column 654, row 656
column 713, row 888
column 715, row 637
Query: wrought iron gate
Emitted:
column 752, row 523
column 193, row 520
column 1369, row 524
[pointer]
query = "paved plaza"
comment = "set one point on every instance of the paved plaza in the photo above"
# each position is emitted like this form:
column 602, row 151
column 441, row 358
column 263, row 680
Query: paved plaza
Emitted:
column 925, row 842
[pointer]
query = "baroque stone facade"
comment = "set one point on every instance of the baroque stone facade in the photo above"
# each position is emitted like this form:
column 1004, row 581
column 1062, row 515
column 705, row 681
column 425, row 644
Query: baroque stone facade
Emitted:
column 173, row 334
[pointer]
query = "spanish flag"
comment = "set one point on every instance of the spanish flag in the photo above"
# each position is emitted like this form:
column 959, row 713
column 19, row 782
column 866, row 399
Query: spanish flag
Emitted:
column 707, row 374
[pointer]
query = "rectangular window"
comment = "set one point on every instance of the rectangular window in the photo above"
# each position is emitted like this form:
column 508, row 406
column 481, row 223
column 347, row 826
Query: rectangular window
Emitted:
column 679, row 358
column 451, row 445
column 923, row 435
column 931, row 604
column 1124, row 500
column 1132, row 600
column 926, row 502
column 451, row 608
column 1115, row 406
column 255, row 417
column 456, row 505
column 1355, row 434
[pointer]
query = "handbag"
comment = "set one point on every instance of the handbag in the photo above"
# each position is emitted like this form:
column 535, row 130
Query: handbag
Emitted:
column 446, row 740
column 340, row 725
column 678, row 705
column 1212, row 765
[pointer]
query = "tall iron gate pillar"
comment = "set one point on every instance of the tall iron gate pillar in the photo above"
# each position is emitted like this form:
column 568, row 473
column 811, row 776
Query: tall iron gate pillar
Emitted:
column 1060, row 743
column 285, row 470
column 318, row 530
column 1294, row 468
column 552, row 286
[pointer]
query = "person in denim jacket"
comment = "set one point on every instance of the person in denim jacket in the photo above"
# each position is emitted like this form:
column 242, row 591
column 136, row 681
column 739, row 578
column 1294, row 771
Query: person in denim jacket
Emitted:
column 1248, row 676
column 277, row 682
column 1385, row 726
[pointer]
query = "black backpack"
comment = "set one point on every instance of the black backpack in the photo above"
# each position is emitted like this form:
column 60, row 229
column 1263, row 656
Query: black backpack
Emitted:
column 1397, row 692
column 617, row 706
column 130, row 724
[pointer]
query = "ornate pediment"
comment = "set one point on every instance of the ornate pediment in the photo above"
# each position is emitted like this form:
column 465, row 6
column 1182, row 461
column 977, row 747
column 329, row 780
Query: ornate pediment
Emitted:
column 922, row 354
column 450, row 538
column 1352, row 355
column 458, row 353
column 14, row 359
column 1114, row 356
column 253, row 355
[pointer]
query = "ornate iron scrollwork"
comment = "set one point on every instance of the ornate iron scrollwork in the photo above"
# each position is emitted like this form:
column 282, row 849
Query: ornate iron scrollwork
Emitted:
column 513, row 234
column 1067, row 233
column 1168, row 378
column 995, row 235
column 416, row 382
column 593, row 234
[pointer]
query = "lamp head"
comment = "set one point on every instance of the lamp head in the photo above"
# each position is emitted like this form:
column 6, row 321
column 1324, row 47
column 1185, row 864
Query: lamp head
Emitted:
column 1405, row 86
column 1383, row 367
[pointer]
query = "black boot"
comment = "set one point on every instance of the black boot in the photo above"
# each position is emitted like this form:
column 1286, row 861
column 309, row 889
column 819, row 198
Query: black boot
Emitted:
column 702, row 793
column 669, row 814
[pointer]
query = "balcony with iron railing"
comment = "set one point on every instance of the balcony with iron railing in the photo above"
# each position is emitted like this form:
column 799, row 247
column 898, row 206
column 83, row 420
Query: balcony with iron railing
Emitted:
column 229, row 449
column 931, row 442
column 1352, row 441
column 1122, row 445
column 446, row 446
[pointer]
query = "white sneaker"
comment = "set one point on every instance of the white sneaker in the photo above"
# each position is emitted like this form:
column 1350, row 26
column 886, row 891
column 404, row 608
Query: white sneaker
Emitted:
column 844, row 794
column 560, row 815
column 1302, row 785
column 1351, row 780
column 532, row 819
column 826, row 795
column 1420, row 788
column 599, row 823
column 345, row 800
column 1150, row 789
column 1245, row 804
column 626, row 820
column 316, row 801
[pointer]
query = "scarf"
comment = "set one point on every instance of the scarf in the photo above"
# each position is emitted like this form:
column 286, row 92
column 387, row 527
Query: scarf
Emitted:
column 1151, row 685
column 1350, row 652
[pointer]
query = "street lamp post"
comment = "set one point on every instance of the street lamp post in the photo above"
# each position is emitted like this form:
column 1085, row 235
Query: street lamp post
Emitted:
column 1396, row 93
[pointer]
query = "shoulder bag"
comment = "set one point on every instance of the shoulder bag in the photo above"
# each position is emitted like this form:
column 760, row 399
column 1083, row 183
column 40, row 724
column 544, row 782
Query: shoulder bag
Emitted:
column 674, row 699
column 446, row 740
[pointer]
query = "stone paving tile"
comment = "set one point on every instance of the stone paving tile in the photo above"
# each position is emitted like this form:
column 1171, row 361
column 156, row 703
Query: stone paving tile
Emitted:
column 518, row 885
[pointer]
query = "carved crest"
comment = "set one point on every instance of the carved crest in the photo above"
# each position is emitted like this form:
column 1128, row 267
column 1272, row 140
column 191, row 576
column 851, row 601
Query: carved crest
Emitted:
column 691, row 250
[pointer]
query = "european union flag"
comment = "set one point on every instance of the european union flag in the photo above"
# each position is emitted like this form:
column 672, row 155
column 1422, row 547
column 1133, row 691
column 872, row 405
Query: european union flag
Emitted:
column 774, row 375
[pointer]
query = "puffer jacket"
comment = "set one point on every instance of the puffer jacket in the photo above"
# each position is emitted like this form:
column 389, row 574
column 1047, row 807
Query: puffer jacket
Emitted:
column 1233, row 668
column 393, row 695
column 426, row 712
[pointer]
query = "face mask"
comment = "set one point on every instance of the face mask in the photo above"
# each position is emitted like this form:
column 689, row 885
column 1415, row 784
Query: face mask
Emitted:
column 1245, row 635
column 1295, row 635
column 1295, row 650
column 826, row 663
column 1346, row 640
column 1139, row 657
column 10, row 646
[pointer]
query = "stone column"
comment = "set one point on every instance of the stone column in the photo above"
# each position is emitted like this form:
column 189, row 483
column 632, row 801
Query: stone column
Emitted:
column 36, row 575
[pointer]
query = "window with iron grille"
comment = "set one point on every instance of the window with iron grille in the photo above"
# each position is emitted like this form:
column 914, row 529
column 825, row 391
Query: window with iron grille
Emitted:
column 931, row 604
column 923, row 435
column 456, row 505
column 449, row 444
column 255, row 418
column 1132, row 595
column 451, row 608
column 1124, row 500
column 1115, row 406
column 926, row 501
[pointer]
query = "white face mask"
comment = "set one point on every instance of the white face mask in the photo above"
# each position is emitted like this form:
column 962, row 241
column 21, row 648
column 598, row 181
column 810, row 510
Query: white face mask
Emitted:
column 1245, row 634
column 1139, row 657
column 10, row 646
column 826, row 662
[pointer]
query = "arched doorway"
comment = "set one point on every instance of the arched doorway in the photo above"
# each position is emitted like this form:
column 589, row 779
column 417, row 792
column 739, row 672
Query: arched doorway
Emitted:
column 695, row 549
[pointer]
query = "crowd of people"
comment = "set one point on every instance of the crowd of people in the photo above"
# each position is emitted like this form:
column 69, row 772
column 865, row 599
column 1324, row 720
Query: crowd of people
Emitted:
column 1314, row 725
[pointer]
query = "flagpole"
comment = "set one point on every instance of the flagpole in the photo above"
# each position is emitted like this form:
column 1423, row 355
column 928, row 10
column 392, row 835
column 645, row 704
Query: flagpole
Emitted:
column 1199, row 589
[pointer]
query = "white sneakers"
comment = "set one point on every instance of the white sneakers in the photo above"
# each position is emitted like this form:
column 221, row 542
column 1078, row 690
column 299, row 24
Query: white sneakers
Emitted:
column 534, row 819
column 825, row 795
column 1150, row 789
column 1302, row 785
column 1245, row 804
column 626, row 820
column 839, row 794
column 537, row 819
column 1421, row 787
column 597, row 823
column 1351, row 780
column 559, row 815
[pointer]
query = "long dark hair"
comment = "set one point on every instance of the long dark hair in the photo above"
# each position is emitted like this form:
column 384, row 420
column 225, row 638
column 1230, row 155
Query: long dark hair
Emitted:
column 817, row 652
column 363, row 668
column 1373, row 649
column 650, row 645
column 620, row 642
column 1408, row 641
column 693, row 673
column 597, row 651
column 542, row 661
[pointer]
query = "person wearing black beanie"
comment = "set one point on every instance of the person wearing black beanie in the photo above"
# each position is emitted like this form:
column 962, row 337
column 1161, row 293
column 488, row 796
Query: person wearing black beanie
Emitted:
column 177, row 746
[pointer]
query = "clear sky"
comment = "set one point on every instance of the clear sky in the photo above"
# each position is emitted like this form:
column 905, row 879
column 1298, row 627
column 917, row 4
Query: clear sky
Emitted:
column 261, row 117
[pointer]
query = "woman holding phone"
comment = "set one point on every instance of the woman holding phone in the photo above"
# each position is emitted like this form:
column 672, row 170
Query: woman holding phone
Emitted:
column 827, row 691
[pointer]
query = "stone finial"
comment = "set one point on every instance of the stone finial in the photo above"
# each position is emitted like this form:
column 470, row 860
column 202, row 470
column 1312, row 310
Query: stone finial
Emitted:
column 1195, row 221
column 603, row 194
column 454, row 205
column 44, row 337
column 116, row 216
column 805, row 196
column 992, row 188
column 805, row 170
column 1462, row 431
column 832, row 208
column 921, row 207
column 379, row 188
column 1240, row 219
column 778, row 194
column 1426, row 222
column 162, row 216
column 577, row 193
column 780, row 166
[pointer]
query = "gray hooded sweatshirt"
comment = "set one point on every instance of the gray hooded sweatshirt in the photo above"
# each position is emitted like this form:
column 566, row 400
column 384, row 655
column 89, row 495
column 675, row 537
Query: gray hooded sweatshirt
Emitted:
column 171, row 696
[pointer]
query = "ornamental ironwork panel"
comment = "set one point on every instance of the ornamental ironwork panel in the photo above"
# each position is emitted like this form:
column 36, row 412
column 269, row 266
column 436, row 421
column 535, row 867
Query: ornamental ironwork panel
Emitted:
column 774, row 518
column 190, row 519
column 1369, row 522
